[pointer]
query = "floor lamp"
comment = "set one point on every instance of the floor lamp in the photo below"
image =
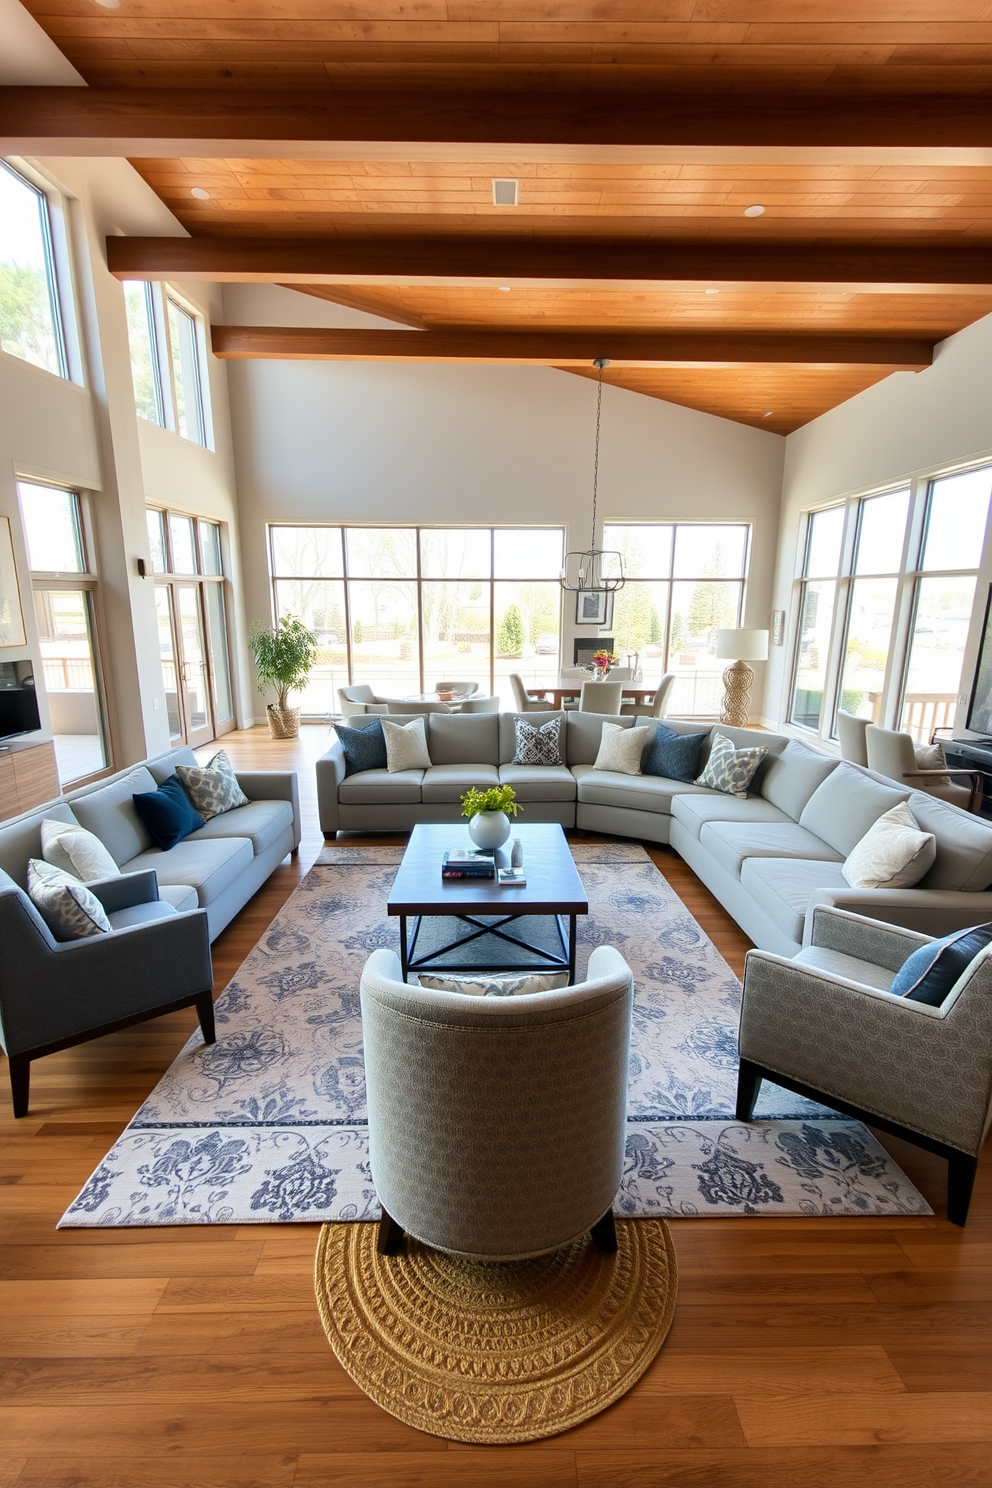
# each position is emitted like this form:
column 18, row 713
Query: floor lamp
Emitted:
column 744, row 646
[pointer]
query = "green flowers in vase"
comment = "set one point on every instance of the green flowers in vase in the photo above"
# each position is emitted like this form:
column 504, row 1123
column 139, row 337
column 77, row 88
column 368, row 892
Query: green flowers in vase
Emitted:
column 496, row 798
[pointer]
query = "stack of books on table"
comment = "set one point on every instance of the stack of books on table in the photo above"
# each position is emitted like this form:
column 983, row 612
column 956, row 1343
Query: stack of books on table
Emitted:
column 467, row 864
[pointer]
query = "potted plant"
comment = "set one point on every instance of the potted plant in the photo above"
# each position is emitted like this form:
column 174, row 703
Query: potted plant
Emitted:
column 489, row 813
column 284, row 657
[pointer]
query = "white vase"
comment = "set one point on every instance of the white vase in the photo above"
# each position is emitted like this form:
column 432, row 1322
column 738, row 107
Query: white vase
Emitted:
column 489, row 830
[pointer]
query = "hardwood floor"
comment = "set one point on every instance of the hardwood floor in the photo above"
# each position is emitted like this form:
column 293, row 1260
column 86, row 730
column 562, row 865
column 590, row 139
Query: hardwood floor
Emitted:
column 838, row 1353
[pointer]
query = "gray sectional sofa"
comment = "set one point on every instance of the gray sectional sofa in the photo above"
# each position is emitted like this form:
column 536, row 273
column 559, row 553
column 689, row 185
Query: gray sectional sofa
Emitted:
column 217, row 868
column 768, row 859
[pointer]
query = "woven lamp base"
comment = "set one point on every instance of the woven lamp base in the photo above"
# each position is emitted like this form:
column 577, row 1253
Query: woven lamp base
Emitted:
column 737, row 680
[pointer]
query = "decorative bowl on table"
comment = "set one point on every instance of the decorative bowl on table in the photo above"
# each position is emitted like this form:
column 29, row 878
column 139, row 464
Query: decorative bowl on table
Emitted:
column 446, row 696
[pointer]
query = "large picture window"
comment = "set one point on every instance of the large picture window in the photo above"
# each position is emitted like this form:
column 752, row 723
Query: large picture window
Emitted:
column 30, row 315
column 404, row 608
column 685, row 581
column 885, row 600
column 168, row 367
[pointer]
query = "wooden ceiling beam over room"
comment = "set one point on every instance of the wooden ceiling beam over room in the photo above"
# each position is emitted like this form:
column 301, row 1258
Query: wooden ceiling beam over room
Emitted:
column 560, row 261
column 226, row 121
column 567, row 348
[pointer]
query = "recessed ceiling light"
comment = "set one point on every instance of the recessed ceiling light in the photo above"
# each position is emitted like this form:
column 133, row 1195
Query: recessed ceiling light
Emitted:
column 755, row 211
column 505, row 288
column 199, row 193
column 712, row 291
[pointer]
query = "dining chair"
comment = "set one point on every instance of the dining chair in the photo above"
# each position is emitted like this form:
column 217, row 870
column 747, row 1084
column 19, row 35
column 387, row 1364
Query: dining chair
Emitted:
column 525, row 704
column 656, row 707
column 600, row 697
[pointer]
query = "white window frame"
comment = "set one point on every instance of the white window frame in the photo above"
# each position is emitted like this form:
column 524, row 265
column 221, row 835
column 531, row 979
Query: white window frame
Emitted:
column 157, row 297
column 61, row 278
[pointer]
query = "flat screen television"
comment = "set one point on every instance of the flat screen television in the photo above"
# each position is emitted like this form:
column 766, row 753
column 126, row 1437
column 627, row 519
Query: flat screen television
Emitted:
column 18, row 699
column 979, row 718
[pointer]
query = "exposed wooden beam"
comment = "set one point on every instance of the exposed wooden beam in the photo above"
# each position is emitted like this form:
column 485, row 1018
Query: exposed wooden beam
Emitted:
column 567, row 348
column 553, row 262
column 140, row 121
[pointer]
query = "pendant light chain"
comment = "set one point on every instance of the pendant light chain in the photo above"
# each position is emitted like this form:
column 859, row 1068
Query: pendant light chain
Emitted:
column 588, row 571
column 595, row 468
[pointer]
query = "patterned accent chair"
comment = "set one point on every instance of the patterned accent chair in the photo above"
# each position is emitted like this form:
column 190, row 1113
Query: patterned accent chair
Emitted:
column 497, row 1125
column 826, row 1026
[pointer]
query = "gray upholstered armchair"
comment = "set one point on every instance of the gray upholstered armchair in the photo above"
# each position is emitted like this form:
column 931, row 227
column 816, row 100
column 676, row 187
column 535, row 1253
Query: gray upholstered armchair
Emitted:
column 497, row 1124
column 57, row 993
column 826, row 1026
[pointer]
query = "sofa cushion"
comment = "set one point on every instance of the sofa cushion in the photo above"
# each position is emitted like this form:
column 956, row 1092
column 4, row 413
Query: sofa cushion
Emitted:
column 364, row 748
column 508, row 731
column 109, row 812
column 673, row 755
column 455, row 737
column 164, row 765
column 584, row 734
column 964, row 845
column 260, row 821
column 694, row 807
column 849, row 801
column 21, row 840
column 732, row 842
column 209, row 867
column 181, row 896
column 893, row 853
column 450, row 782
column 142, row 914
column 168, row 813
column 381, row 788
column 76, row 851
column 539, row 782
column 848, row 967
column 791, row 777
column 782, row 888
column 637, row 792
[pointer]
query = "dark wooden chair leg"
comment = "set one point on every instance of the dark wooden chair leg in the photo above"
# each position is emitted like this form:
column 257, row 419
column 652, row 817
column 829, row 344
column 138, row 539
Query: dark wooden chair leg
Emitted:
column 20, row 1081
column 748, row 1089
column 205, row 1013
column 390, row 1236
column 961, row 1170
column 604, row 1234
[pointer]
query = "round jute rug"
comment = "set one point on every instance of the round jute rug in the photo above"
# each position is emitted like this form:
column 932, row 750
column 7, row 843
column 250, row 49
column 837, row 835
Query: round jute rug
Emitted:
column 496, row 1351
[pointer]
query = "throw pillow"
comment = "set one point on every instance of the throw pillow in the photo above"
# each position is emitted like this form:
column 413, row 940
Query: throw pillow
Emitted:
column 167, row 813
column 76, row 851
column 930, row 973
column 675, row 756
column 364, row 748
column 213, row 788
column 406, row 745
column 538, row 746
column 68, row 907
column 620, row 749
column 893, row 854
column 932, row 757
column 496, row 986
column 729, row 769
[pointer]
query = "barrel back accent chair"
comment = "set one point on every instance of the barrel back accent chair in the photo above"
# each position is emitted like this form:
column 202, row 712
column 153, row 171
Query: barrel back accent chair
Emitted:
column 497, row 1124
column 460, row 689
column 893, row 754
column 480, row 705
column 359, row 697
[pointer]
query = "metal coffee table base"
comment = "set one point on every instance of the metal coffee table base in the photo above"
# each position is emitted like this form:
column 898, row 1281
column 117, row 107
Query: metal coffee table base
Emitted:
column 561, row 960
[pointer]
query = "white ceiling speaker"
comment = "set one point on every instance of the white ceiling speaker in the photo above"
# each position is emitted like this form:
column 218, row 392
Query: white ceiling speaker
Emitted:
column 505, row 193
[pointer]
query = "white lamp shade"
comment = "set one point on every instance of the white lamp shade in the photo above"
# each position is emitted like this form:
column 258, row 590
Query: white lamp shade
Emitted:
column 742, row 645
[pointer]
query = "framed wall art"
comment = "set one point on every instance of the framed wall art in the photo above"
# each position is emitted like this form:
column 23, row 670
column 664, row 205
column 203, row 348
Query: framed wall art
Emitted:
column 12, row 631
column 593, row 607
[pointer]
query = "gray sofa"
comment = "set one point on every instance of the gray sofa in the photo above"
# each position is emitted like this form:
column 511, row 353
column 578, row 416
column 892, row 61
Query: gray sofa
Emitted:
column 217, row 868
column 768, row 859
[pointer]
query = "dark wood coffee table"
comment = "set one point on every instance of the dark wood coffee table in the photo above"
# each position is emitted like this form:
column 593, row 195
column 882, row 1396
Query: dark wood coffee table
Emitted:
column 553, row 889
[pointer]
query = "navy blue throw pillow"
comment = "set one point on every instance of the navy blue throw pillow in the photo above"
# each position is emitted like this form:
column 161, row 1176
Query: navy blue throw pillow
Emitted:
column 168, row 813
column 930, row 973
column 675, row 756
column 364, row 748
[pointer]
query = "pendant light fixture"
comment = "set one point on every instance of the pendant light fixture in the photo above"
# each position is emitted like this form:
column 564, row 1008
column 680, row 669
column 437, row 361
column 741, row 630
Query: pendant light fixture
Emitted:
column 597, row 570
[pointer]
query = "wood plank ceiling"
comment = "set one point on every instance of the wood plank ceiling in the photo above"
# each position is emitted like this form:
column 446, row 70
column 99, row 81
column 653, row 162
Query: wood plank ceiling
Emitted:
column 815, row 50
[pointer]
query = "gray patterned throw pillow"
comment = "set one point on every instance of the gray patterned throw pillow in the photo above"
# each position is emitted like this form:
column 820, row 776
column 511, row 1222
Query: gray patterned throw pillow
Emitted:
column 728, row 769
column 538, row 746
column 213, row 788
column 68, row 908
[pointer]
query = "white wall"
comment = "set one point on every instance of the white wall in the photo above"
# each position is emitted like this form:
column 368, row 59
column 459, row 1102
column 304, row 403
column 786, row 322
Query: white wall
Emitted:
column 358, row 441
column 909, row 425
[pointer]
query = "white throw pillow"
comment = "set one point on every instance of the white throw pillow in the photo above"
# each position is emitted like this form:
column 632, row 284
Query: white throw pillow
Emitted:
column 496, row 986
column 932, row 757
column 68, row 908
column 621, row 749
column 76, row 851
column 893, row 854
column 406, row 745
column 730, row 769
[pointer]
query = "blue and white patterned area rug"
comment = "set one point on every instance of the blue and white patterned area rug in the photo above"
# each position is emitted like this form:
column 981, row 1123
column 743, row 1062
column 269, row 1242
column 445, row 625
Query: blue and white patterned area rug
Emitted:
column 268, row 1124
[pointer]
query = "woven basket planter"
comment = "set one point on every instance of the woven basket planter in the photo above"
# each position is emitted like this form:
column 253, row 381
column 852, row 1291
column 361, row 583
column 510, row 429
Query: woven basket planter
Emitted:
column 284, row 723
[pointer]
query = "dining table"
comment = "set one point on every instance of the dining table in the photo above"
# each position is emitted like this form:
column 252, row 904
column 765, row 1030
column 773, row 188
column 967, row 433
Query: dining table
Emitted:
column 562, row 687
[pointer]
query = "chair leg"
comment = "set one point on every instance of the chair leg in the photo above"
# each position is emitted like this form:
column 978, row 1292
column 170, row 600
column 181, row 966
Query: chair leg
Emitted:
column 604, row 1234
column 961, row 1170
column 20, row 1081
column 205, row 1013
column 390, row 1236
column 748, row 1089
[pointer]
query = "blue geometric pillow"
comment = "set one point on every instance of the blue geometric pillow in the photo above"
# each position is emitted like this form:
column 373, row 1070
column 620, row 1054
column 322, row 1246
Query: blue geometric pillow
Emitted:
column 675, row 756
column 364, row 748
column 930, row 973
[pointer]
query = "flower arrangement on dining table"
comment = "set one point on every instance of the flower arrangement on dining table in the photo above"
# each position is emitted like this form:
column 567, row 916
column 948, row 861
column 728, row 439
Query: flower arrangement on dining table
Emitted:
column 602, row 661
